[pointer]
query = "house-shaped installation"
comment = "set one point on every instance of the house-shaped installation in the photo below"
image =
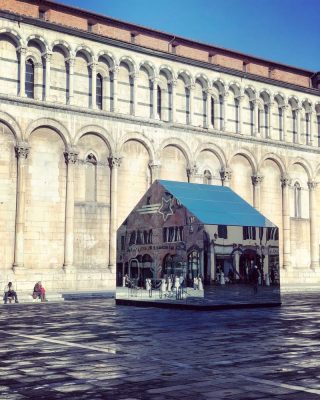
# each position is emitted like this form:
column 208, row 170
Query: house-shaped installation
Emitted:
column 187, row 242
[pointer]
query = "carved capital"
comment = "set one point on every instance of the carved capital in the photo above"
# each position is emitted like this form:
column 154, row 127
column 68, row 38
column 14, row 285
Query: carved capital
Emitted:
column 285, row 181
column 22, row 150
column 225, row 174
column 93, row 65
column 70, row 61
column 154, row 165
column 191, row 87
column 192, row 171
column 312, row 185
column 47, row 56
column 173, row 82
column 115, row 161
column 115, row 70
column 71, row 156
column 256, row 179
column 22, row 50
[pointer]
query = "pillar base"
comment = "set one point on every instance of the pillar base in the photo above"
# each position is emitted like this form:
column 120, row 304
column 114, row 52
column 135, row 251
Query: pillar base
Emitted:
column 16, row 266
column 314, row 265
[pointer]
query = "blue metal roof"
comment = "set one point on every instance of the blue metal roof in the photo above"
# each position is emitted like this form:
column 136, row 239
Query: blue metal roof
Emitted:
column 216, row 205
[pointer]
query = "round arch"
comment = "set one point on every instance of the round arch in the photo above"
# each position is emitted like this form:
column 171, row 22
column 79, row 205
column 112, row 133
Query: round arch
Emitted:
column 248, row 155
column 97, row 131
column 86, row 51
column 214, row 149
column 110, row 57
column 149, row 66
column 276, row 159
column 62, row 44
column 12, row 124
column 41, row 41
column 304, row 164
column 12, row 34
column 53, row 124
column 130, row 64
column 138, row 137
column 180, row 144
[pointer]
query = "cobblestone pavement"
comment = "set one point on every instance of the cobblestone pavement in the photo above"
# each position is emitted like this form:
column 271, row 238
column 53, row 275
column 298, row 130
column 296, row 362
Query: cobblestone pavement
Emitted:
column 95, row 350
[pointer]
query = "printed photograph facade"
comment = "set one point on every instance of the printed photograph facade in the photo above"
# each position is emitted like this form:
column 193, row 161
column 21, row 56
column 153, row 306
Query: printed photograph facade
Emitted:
column 93, row 110
column 183, row 239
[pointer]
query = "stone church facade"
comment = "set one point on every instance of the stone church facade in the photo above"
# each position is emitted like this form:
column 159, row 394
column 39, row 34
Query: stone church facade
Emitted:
column 92, row 110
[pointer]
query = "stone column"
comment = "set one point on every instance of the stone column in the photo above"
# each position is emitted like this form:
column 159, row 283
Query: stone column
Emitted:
column 298, row 124
column 115, row 71
column 310, row 139
column 22, row 151
column 237, row 263
column 226, row 174
column 71, row 157
column 256, row 128
column 223, row 112
column 155, row 168
column 154, row 111
column 93, row 67
column 47, row 57
column 270, row 120
column 256, row 182
column 38, row 81
column 70, row 62
column 208, row 124
column 285, row 183
column 22, row 71
column 314, row 241
column 240, row 119
column 191, row 95
column 135, row 77
column 173, row 85
column 212, row 262
column 192, row 174
column 114, row 163
column 284, row 122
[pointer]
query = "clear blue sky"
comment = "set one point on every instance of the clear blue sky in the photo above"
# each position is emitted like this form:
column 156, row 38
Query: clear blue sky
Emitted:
column 287, row 31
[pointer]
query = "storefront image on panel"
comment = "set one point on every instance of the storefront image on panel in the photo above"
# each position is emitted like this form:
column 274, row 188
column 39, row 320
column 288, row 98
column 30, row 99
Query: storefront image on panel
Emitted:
column 197, row 245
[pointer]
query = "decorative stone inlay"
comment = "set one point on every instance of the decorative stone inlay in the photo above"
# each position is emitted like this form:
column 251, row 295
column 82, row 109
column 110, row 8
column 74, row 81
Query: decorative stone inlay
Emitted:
column 256, row 179
column 225, row 174
column 285, row 181
column 115, row 161
column 22, row 150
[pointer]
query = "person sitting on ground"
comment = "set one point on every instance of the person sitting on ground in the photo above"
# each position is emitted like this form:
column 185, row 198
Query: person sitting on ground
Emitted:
column 9, row 292
column 39, row 292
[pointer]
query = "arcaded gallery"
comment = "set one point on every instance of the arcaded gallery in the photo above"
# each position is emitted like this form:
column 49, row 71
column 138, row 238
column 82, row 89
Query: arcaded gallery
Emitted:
column 94, row 110
column 184, row 242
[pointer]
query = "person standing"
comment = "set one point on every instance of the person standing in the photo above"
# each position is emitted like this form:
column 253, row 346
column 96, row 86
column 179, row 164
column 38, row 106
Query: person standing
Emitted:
column 9, row 292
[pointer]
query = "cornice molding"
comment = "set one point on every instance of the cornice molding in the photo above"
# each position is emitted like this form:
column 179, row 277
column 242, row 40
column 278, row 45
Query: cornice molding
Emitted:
column 156, row 53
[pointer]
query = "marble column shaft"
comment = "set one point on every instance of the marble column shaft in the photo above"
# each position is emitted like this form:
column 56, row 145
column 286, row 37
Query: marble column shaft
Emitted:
column 22, row 151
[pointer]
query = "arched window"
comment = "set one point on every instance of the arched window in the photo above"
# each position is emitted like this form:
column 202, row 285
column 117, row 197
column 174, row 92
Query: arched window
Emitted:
column 29, row 83
column 159, row 100
column 99, row 95
column 207, row 177
column 212, row 110
column 91, row 178
column 297, row 200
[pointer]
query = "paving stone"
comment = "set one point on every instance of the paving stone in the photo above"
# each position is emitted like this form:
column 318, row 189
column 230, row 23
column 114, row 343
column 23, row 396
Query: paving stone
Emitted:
column 95, row 350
